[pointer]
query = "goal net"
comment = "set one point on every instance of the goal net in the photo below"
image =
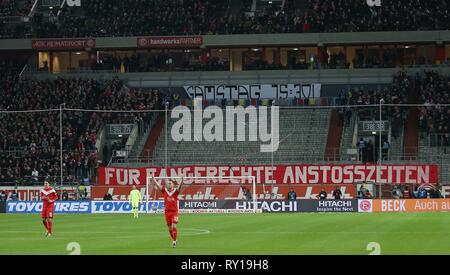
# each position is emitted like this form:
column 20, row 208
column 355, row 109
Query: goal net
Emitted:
column 206, row 193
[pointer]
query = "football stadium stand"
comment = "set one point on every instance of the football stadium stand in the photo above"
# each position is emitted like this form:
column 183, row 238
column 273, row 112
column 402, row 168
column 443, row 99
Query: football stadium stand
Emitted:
column 95, row 81
column 107, row 18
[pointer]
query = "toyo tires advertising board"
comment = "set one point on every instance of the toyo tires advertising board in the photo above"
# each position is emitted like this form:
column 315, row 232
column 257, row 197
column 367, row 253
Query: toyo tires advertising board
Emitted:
column 32, row 207
column 111, row 207
column 80, row 207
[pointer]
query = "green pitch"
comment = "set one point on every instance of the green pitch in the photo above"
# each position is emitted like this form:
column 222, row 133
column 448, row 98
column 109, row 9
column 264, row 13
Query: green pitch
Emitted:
column 396, row 233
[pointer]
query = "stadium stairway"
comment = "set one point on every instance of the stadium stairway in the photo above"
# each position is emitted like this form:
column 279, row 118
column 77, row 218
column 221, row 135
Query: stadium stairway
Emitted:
column 436, row 155
column 347, row 137
column 411, row 136
column 397, row 145
column 139, row 144
column 152, row 138
column 332, row 149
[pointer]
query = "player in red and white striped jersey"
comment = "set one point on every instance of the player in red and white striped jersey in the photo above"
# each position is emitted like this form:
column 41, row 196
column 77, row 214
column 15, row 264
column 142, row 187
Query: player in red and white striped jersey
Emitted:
column 170, row 193
column 48, row 196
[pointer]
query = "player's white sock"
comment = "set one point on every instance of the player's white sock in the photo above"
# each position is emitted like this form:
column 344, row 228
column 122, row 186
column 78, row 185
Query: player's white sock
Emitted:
column 174, row 244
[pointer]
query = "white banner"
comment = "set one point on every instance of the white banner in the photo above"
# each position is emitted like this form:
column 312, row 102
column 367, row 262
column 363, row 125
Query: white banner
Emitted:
column 248, row 92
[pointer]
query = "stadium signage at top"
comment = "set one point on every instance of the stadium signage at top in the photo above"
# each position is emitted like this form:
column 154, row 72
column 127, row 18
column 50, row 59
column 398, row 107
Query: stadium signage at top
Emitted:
column 50, row 44
column 169, row 41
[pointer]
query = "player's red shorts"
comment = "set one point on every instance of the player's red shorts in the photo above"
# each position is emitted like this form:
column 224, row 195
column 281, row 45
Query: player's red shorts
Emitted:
column 47, row 213
column 171, row 217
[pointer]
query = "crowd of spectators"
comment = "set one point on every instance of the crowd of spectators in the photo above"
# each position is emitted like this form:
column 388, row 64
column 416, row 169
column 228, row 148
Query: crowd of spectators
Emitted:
column 351, row 16
column 395, row 93
column 211, row 64
column 12, row 8
column 29, row 141
column 260, row 64
column 426, row 192
column 116, row 96
column 434, row 89
column 159, row 62
column 25, row 9
column 364, row 193
column 6, row 7
column 336, row 60
column 175, row 60
column 192, row 17
column 15, row 8
column 130, row 17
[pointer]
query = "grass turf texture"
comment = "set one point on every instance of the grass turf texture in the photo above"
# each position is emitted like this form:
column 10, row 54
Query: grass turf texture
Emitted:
column 289, row 233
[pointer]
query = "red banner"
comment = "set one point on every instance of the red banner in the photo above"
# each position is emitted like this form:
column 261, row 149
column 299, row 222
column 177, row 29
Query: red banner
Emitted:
column 278, row 174
column 169, row 41
column 32, row 193
column 53, row 44
column 228, row 192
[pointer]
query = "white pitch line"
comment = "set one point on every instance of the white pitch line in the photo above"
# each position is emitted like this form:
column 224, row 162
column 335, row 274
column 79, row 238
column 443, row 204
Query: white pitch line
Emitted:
column 329, row 232
column 182, row 232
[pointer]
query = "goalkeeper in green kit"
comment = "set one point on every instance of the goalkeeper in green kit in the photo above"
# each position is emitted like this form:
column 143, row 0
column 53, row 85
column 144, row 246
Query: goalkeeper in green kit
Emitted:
column 135, row 198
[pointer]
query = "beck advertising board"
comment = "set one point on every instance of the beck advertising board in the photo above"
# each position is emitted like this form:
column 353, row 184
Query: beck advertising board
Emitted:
column 411, row 205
